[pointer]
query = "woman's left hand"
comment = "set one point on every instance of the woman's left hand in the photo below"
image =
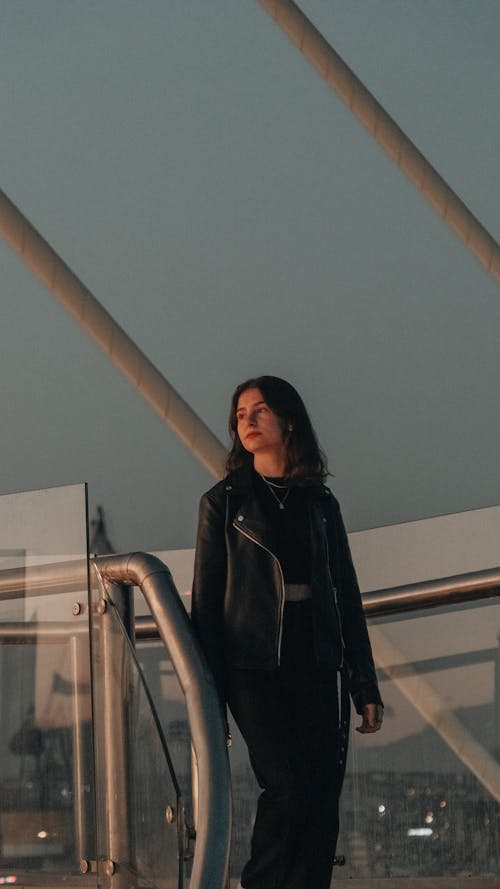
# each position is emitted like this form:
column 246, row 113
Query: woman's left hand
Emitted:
column 372, row 716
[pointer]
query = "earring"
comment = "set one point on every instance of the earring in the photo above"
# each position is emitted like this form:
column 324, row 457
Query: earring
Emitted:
column 290, row 428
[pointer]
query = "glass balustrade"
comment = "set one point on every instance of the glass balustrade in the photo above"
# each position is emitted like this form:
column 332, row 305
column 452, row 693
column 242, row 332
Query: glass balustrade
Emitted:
column 96, row 766
column 46, row 759
column 88, row 792
column 170, row 707
column 422, row 797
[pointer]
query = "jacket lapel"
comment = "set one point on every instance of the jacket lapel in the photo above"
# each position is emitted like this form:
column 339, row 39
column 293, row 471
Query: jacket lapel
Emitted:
column 246, row 513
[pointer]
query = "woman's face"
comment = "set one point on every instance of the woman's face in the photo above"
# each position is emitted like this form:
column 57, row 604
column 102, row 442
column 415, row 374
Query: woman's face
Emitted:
column 259, row 428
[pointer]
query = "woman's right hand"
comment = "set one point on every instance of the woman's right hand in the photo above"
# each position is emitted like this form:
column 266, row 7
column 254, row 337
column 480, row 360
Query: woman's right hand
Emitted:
column 372, row 716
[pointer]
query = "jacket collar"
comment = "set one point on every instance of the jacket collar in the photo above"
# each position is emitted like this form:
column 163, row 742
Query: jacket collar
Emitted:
column 240, row 482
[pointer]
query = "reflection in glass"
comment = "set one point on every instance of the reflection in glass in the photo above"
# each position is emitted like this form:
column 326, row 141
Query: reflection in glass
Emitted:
column 422, row 798
column 170, row 707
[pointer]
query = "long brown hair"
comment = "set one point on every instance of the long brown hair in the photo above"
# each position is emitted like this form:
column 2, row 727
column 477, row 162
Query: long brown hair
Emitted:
column 305, row 462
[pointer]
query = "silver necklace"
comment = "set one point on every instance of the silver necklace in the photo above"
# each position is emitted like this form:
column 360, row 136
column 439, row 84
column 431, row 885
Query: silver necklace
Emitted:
column 272, row 485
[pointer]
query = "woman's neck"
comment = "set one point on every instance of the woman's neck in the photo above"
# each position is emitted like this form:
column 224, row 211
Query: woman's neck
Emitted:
column 270, row 465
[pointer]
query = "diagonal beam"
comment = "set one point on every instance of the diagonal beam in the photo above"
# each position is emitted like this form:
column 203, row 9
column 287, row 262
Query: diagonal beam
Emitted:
column 52, row 271
column 385, row 130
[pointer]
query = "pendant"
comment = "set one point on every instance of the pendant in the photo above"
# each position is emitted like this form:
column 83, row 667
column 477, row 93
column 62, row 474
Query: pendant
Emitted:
column 282, row 505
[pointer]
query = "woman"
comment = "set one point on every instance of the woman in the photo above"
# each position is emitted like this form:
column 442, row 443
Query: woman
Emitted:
column 278, row 612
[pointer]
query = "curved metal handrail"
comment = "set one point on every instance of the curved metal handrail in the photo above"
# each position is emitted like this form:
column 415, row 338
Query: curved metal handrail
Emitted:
column 207, row 726
column 206, row 722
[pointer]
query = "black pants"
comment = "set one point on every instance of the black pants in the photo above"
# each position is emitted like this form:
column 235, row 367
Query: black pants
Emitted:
column 289, row 719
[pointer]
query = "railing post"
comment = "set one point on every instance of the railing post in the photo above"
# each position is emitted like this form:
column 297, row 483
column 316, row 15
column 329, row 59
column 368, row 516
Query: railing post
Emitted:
column 116, row 855
column 496, row 699
column 84, row 838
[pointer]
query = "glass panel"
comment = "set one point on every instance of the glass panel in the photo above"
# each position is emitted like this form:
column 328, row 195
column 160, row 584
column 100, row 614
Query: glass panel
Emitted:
column 166, row 692
column 144, row 818
column 170, row 707
column 422, row 797
column 46, row 783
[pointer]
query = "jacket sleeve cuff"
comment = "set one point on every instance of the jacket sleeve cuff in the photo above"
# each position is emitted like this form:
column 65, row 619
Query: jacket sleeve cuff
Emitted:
column 367, row 694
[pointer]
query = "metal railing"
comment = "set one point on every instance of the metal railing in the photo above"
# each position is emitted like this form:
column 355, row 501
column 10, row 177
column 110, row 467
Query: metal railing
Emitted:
column 169, row 621
column 207, row 726
column 458, row 588
column 206, row 721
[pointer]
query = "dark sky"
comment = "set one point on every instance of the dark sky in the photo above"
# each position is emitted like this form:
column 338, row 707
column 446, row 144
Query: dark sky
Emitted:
column 235, row 219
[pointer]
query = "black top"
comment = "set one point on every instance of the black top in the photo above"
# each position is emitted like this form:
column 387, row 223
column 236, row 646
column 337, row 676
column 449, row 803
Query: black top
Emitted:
column 290, row 525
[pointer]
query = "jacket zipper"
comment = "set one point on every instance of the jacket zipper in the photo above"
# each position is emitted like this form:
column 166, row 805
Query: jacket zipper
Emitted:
column 339, row 674
column 339, row 698
column 334, row 588
column 282, row 600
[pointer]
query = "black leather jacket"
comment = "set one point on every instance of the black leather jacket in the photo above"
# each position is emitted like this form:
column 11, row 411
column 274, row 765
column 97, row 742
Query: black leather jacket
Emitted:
column 238, row 589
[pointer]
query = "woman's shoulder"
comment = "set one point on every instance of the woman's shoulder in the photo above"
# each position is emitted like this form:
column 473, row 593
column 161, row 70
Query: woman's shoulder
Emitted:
column 328, row 502
column 237, row 482
column 325, row 493
column 214, row 494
